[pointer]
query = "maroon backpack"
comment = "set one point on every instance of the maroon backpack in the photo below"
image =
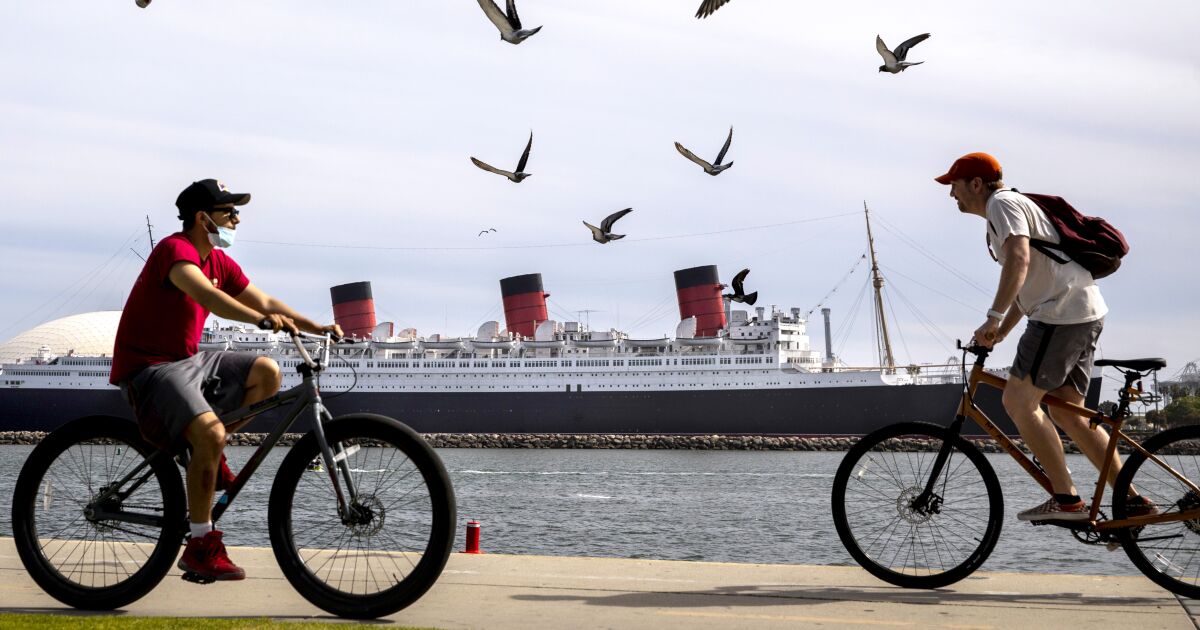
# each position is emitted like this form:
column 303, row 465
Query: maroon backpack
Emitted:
column 1089, row 241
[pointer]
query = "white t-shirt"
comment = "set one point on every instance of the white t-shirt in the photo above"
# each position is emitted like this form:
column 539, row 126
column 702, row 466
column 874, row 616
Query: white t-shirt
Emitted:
column 1053, row 293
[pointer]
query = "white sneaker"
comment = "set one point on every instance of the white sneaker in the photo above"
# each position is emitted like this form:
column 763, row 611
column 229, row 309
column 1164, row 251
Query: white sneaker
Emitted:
column 1052, row 510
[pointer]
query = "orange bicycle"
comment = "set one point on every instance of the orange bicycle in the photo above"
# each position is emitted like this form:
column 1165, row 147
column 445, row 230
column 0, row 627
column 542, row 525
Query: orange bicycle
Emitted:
column 918, row 505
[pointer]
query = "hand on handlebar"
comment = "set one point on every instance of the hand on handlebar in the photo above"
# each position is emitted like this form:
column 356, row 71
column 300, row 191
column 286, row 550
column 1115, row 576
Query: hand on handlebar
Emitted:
column 335, row 331
column 276, row 322
column 988, row 334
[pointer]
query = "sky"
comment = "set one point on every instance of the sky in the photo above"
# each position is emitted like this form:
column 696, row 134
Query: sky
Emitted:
column 352, row 125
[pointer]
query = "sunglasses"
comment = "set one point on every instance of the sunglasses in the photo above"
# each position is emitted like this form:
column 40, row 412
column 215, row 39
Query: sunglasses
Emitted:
column 233, row 212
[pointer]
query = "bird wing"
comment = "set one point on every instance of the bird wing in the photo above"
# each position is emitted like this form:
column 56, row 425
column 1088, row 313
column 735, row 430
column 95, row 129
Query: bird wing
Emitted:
column 497, row 16
column 721, row 155
column 481, row 232
column 513, row 18
column 737, row 281
column 491, row 169
column 888, row 58
column 902, row 49
column 608, row 221
column 597, row 233
column 750, row 298
column 525, row 155
column 708, row 7
column 692, row 156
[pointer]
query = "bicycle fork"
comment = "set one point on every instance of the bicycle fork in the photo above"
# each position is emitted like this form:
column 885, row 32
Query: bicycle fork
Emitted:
column 929, row 502
column 334, row 462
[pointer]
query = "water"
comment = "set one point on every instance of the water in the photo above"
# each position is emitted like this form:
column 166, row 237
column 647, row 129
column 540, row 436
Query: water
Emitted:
column 722, row 506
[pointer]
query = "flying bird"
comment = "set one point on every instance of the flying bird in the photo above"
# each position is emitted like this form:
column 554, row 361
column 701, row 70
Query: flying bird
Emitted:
column 709, row 168
column 520, row 174
column 142, row 3
column 708, row 7
column 482, row 232
column 603, row 234
column 509, row 24
column 739, row 294
column 893, row 61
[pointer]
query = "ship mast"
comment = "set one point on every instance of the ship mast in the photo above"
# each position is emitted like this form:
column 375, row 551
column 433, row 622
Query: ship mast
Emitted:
column 886, row 360
column 150, row 232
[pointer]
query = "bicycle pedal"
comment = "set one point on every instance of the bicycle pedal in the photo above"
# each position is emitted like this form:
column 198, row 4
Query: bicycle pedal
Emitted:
column 196, row 578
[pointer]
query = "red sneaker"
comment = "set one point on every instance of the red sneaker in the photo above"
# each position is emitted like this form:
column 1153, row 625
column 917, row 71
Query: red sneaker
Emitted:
column 225, row 476
column 206, row 557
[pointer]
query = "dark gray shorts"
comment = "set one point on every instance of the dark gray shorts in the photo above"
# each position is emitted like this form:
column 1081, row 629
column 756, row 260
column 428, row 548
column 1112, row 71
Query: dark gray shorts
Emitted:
column 166, row 397
column 1053, row 355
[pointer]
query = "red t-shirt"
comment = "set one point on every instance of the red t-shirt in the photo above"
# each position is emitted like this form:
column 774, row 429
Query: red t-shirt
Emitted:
column 160, row 323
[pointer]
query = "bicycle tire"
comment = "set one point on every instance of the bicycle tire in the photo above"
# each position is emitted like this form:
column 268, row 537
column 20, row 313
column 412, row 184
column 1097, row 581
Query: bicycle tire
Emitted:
column 428, row 509
column 94, row 451
column 1167, row 553
column 884, row 479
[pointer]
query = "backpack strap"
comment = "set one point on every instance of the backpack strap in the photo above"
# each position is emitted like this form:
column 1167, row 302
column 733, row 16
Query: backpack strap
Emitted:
column 1047, row 248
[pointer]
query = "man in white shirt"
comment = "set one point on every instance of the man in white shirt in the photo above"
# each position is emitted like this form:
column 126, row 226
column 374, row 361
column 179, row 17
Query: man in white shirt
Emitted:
column 1066, row 314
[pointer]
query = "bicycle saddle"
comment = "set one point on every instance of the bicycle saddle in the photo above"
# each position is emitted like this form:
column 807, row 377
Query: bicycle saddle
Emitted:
column 1139, row 365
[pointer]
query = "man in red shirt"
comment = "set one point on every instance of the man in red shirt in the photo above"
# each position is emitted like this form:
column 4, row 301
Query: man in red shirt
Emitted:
column 177, row 391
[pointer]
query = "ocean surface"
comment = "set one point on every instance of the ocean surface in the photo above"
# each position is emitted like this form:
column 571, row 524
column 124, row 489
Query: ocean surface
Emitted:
column 719, row 506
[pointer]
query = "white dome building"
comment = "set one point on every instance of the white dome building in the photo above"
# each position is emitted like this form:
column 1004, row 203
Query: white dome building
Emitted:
column 87, row 334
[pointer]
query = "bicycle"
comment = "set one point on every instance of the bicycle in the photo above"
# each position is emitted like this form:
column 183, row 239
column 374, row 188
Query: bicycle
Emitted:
column 99, row 514
column 919, row 506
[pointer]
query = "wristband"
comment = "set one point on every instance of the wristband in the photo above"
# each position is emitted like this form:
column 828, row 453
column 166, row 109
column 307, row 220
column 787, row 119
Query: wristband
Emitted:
column 994, row 314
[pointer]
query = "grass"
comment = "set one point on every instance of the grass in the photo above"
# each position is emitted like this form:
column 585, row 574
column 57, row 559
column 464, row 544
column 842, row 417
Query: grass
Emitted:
column 75, row 621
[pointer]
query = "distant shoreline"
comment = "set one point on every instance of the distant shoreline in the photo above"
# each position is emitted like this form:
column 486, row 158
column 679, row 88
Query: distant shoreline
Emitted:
column 594, row 441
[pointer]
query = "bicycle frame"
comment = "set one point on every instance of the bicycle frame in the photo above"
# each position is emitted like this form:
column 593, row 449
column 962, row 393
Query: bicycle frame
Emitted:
column 968, row 409
column 304, row 396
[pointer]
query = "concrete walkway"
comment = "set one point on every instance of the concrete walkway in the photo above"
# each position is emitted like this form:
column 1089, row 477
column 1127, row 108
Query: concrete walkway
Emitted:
column 502, row 591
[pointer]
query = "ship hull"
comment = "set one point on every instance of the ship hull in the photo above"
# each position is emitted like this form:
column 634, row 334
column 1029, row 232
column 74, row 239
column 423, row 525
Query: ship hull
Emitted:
column 799, row 411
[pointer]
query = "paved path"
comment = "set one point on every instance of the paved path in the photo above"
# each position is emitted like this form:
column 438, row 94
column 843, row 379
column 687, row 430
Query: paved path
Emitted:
column 503, row 591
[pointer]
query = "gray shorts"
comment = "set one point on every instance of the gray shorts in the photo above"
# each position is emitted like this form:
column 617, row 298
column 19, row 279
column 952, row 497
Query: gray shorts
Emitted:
column 166, row 397
column 1053, row 355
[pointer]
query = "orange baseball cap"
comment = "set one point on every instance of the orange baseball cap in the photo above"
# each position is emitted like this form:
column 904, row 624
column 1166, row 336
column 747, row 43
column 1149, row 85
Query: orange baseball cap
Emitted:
column 970, row 166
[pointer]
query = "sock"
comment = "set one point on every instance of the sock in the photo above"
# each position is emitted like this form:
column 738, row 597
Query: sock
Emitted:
column 1067, row 499
column 200, row 529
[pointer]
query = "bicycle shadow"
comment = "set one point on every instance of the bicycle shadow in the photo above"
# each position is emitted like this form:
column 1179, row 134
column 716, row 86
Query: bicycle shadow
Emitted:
column 778, row 595
column 124, row 614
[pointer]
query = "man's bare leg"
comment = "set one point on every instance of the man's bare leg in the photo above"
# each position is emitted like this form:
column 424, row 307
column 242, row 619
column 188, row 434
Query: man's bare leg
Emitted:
column 1022, row 401
column 1091, row 442
column 206, row 434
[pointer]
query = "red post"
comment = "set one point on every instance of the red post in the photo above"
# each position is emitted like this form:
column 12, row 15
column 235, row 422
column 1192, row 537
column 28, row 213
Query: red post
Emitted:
column 472, row 537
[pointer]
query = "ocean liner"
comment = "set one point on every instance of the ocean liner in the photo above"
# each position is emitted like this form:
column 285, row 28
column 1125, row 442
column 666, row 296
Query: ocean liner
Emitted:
column 724, row 372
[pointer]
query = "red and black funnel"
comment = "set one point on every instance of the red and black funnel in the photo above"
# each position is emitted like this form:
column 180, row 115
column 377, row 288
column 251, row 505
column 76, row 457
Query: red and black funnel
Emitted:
column 524, row 303
column 354, row 308
column 699, row 293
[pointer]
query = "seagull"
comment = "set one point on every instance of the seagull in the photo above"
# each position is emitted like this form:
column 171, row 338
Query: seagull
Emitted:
column 708, row 7
column 510, row 24
column 709, row 168
column 739, row 294
column 516, row 177
column 603, row 234
column 894, row 62
column 482, row 232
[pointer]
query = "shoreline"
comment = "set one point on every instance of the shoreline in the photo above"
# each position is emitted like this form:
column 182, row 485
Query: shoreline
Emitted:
column 598, row 441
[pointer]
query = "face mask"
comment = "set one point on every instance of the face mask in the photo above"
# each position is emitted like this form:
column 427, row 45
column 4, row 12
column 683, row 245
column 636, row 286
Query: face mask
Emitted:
column 224, row 236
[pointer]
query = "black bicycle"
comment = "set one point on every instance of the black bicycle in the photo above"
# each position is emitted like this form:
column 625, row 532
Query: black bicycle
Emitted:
column 99, row 515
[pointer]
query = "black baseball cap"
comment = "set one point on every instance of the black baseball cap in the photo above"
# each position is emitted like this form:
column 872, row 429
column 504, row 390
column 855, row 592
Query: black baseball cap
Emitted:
column 207, row 194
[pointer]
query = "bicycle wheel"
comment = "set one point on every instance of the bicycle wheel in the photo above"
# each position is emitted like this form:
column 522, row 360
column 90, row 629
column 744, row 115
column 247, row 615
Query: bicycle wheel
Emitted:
column 875, row 519
column 1168, row 553
column 395, row 542
column 76, row 557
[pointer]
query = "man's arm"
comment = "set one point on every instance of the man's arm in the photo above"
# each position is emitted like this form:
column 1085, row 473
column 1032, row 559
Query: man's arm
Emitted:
column 189, row 279
column 255, row 298
column 1012, row 278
